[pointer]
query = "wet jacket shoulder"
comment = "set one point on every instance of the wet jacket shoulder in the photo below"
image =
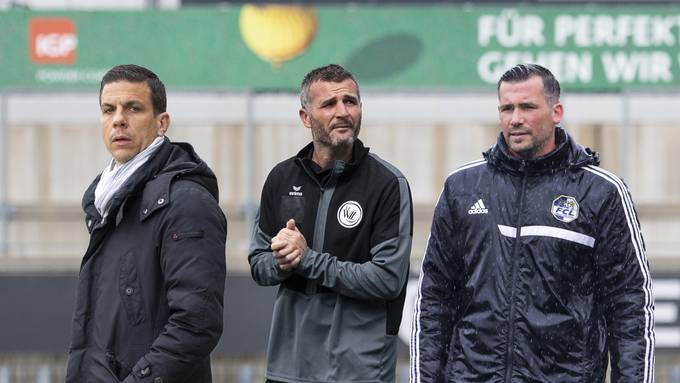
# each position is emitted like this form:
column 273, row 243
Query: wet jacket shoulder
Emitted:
column 540, row 265
column 150, row 290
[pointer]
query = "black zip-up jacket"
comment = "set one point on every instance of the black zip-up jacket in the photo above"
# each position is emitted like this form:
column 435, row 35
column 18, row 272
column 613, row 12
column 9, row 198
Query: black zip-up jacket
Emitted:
column 337, row 314
column 151, row 284
column 534, row 271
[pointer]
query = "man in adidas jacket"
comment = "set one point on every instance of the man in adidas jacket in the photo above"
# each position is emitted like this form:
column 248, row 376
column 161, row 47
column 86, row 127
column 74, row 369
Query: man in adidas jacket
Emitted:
column 535, row 269
column 334, row 232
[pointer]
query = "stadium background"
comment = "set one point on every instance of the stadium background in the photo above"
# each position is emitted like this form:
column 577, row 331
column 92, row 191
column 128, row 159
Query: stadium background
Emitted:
column 427, row 72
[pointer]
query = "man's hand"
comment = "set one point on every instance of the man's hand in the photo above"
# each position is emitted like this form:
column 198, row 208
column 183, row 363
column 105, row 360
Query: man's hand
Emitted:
column 289, row 245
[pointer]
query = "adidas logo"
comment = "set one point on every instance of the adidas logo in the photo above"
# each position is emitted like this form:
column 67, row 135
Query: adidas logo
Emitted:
column 478, row 208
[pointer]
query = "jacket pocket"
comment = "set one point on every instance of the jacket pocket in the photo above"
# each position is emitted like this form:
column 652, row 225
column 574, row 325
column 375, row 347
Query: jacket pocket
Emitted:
column 178, row 235
column 116, row 366
column 292, row 207
column 129, row 290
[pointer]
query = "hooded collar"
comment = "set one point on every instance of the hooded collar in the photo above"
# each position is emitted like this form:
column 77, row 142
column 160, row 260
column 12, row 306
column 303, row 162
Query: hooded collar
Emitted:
column 153, row 180
column 567, row 155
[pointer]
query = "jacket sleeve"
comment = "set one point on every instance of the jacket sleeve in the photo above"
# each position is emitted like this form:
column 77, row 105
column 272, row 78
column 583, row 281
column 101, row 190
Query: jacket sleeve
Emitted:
column 435, row 302
column 263, row 267
column 192, row 260
column 384, row 276
column 625, row 289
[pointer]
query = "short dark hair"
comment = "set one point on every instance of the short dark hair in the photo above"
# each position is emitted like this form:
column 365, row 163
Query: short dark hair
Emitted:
column 135, row 73
column 328, row 73
column 522, row 72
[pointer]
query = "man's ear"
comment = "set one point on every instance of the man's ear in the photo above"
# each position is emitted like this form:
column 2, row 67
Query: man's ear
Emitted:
column 557, row 113
column 305, row 118
column 163, row 123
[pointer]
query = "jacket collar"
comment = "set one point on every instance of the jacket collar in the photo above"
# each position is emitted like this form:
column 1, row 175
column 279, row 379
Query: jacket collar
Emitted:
column 132, row 186
column 359, row 153
column 567, row 155
column 153, row 181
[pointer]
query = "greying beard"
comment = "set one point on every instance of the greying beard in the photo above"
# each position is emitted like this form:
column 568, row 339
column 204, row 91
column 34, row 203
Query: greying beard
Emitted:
column 334, row 145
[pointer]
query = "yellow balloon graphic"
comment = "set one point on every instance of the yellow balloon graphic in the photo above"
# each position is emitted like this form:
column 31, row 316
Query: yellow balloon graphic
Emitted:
column 276, row 33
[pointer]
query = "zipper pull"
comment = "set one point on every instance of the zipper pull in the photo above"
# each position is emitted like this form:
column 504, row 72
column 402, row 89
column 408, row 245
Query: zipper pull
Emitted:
column 522, row 166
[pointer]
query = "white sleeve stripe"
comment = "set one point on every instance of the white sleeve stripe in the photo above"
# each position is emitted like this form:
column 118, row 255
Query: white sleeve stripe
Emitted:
column 636, row 235
column 467, row 166
column 630, row 216
column 415, row 328
column 638, row 244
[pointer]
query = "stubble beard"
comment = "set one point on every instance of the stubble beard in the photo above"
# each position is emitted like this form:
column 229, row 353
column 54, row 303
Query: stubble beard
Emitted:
column 323, row 137
column 525, row 150
column 529, row 148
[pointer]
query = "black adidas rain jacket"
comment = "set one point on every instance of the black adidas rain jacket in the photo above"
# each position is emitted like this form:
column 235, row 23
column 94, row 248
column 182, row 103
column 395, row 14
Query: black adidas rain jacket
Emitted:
column 535, row 271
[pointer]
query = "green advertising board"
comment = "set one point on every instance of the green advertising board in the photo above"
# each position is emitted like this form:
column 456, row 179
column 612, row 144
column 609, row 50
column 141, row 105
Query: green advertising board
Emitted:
column 452, row 47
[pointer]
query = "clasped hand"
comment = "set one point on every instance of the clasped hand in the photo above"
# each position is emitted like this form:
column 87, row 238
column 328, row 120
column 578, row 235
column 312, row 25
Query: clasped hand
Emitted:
column 288, row 246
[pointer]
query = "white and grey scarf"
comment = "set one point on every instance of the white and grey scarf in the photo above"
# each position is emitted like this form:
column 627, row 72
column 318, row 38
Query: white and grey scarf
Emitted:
column 114, row 176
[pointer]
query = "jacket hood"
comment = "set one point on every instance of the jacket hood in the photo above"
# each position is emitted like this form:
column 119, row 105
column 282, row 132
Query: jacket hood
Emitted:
column 567, row 156
column 182, row 161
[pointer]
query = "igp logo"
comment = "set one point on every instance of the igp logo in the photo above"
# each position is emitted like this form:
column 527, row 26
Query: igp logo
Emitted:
column 565, row 208
column 52, row 40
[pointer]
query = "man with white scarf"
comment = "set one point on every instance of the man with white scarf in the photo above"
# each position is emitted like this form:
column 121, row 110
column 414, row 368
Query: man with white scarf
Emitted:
column 150, row 292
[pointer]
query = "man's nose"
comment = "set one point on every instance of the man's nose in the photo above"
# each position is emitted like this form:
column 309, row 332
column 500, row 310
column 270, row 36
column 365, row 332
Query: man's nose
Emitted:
column 341, row 109
column 119, row 120
column 517, row 118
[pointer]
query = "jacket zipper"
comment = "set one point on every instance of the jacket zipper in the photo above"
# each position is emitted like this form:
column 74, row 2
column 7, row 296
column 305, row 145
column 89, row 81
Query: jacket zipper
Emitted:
column 513, row 260
column 321, row 221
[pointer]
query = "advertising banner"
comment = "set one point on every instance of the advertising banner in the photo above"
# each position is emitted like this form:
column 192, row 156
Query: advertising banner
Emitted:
column 270, row 47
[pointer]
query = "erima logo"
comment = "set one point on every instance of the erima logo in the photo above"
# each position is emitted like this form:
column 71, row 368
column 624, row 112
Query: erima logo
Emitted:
column 565, row 208
column 478, row 208
column 296, row 191
column 350, row 214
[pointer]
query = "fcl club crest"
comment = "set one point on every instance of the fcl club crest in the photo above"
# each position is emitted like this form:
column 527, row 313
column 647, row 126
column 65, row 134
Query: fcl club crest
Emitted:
column 350, row 214
column 565, row 208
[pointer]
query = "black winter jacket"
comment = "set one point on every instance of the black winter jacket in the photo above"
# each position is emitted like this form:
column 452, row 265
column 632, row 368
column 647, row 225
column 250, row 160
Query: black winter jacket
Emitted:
column 151, row 284
column 535, row 271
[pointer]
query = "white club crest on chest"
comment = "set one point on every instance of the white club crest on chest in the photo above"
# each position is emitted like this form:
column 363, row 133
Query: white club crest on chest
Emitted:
column 350, row 214
column 565, row 208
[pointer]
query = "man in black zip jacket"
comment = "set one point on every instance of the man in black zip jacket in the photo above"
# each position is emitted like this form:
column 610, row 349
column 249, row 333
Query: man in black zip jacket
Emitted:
column 334, row 232
column 151, row 284
column 535, row 269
